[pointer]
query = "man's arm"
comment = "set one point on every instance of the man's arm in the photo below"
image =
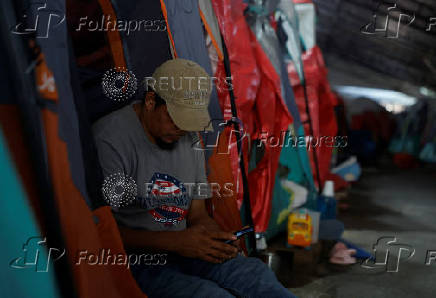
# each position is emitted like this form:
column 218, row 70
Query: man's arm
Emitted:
column 202, row 239
column 198, row 216
column 195, row 242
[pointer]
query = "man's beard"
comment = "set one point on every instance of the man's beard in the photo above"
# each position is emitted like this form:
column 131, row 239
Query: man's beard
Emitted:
column 164, row 145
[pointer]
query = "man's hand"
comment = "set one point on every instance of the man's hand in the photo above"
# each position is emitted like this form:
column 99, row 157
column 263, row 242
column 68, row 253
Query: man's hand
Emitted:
column 203, row 239
column 199, row 242
column 238, row 243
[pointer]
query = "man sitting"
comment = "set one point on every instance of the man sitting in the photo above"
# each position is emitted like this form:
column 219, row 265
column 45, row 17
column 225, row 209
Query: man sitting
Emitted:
column 151, row 142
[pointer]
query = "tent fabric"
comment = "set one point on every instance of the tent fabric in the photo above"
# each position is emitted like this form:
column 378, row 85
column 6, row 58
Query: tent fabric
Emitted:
column 114, row 37
column 305, row 10
column 259, row 21
column 79, row 227
column 264, row 102
column 225, row 208
column 416, row 134
column 19, row 224
column 294, row 158
column 245, row 74
column 411, row 124
column 93, row 171
column 245, row 78
column 242, row 159
column 250, row 88
column 288, row 26
column 186, row 28
column 95, row 52
column 273, row 118
column 18, row 59
column 65, row 160
column 316, row 86
column 185, row 25
column 266, row 78
column 144, row 50
column 15, row 140
column 289, row 95
column 211, row 23
column 139, row 50
column 428, row 140
column 56, row 55
column 320, row 98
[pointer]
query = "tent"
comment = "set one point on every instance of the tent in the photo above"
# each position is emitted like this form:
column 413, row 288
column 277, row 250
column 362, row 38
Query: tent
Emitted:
column 58, row 95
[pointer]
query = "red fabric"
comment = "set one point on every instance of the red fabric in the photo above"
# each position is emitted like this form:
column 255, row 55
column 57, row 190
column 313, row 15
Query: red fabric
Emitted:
column 259, row 103
column 321, row 102
column 405, row 161
column 273, row 22
column 245, row 76
column 273, row 118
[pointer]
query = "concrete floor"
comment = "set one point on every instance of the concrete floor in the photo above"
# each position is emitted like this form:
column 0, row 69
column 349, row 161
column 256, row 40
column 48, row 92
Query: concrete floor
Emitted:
column 385, row 202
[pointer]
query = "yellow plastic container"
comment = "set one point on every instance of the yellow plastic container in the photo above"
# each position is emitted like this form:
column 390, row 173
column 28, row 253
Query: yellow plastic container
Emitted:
column 300, row 228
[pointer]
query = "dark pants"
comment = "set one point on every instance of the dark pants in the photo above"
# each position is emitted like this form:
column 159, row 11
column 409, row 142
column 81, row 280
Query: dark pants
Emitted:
column 185, row 277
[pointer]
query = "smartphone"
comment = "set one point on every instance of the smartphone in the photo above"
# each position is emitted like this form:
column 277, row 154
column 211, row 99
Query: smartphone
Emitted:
column 240, row 233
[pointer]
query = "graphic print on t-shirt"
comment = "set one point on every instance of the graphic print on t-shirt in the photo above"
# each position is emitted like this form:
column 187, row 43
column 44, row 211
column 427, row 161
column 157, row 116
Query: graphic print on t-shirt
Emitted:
column 170, row 197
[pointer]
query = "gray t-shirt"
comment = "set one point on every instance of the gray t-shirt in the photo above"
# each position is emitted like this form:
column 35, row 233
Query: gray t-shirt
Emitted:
column 167, row 180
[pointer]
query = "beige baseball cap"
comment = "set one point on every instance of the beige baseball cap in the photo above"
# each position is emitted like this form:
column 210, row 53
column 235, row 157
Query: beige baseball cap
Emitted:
column 186, row 87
